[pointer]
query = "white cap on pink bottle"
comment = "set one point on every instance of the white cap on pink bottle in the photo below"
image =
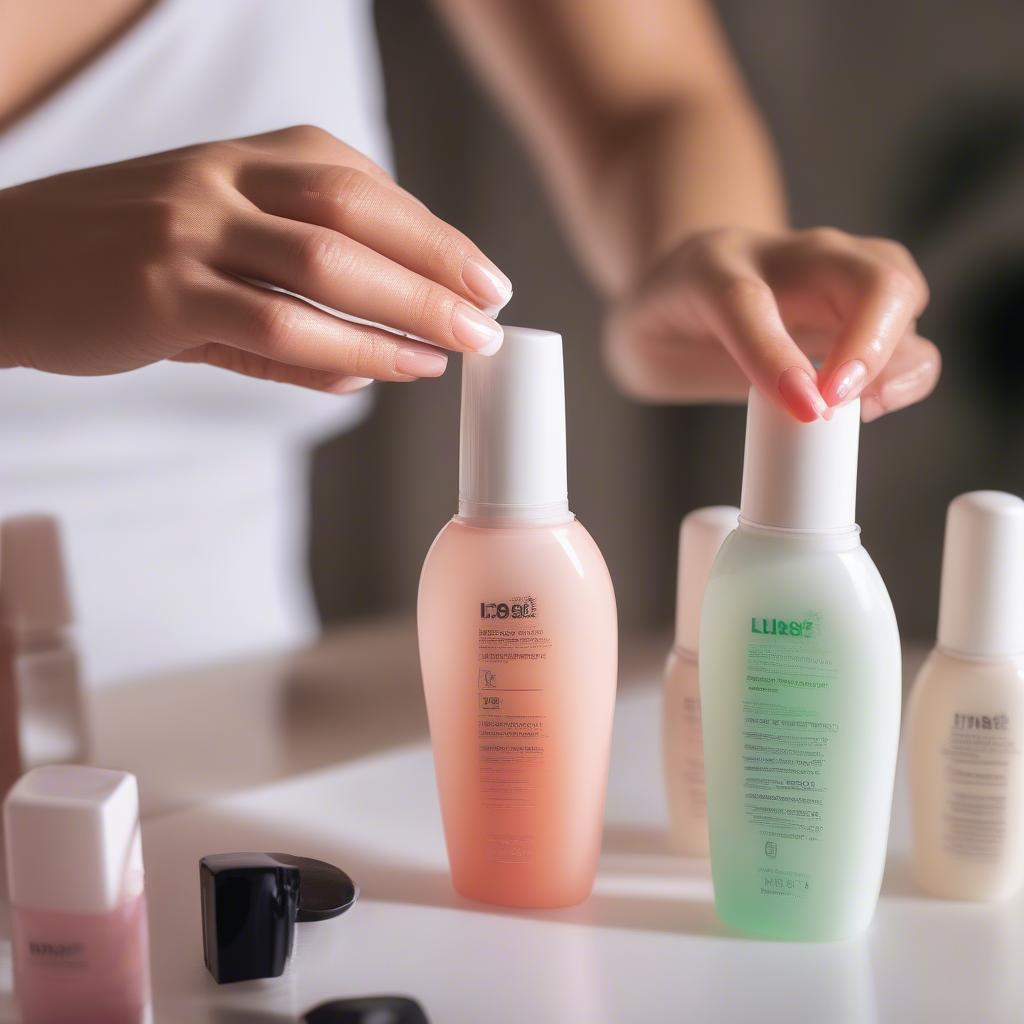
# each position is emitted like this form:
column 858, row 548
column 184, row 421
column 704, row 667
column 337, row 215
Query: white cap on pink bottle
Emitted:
column 73, row 839
column 512, row 462
column 981, row 604
column 700, row 536
column 800, row 476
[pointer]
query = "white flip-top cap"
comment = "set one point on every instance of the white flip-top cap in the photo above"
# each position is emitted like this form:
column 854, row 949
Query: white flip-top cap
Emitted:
column 512, row 442
column 981, row 602
column 800, row 476
column 33, row 587
column 73, row 839
column 700, row 536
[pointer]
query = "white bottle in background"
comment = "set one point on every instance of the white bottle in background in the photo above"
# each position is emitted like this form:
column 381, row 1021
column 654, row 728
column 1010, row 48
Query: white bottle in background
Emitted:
column 41, row 713
column 700, row 536
column 965, row 728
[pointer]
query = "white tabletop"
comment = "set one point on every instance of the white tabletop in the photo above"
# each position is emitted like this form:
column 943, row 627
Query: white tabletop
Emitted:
column 327, row 756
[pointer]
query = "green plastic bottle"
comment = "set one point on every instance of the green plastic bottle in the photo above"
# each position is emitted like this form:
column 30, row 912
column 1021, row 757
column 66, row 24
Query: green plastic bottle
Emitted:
column 800, row 690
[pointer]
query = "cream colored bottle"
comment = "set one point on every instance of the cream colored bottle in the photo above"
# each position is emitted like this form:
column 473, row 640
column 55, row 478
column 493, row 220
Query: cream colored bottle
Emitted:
column 518, row 644
column 965, row 722
column 42, row 719
column 700, row 536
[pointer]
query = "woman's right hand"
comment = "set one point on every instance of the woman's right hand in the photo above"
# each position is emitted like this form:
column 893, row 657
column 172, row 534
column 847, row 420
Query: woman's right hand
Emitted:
column 115, row 267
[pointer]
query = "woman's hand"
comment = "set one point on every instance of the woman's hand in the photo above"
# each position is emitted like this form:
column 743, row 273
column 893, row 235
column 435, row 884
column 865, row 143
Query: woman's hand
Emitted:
column 115, row 267
column 731, row 307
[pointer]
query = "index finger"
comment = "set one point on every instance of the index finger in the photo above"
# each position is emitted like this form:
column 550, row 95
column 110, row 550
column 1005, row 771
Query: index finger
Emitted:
column 743, row 312
column 381, row 217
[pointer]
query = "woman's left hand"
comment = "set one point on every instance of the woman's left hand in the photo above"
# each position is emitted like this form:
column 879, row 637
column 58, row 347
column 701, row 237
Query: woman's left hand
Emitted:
column 732, row 307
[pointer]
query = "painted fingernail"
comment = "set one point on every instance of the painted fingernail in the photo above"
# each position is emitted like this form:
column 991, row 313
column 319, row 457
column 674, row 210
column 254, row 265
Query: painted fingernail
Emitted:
column 801, row 396
column 343, row 387
column 475, row 331
column 846, row 383
column 487, row 283
column 416, row 363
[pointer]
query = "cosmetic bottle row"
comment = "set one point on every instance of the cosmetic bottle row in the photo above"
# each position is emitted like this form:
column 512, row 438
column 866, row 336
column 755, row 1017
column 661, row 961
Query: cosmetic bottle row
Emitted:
column 782, row 696
column 963, row 739
column 781, row 717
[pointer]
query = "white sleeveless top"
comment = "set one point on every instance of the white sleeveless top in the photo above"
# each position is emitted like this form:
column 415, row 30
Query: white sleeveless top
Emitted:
column 182, row 489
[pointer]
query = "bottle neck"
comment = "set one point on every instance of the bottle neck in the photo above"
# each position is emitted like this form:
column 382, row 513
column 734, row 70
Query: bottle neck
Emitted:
column 974, row 658
column 512, row 519
column 514, row 513
column 839, row 539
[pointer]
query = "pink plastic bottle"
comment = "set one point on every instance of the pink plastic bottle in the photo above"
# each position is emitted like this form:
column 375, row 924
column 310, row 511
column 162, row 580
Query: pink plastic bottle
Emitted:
column 78, row 910
column 518, row 644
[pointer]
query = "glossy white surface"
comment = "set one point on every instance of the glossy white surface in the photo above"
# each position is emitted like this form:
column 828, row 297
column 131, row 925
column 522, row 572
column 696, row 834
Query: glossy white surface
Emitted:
column 645, row 948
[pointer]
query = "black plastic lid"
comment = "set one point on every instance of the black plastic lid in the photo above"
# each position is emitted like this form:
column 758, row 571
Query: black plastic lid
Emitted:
column 249, row 905
column 369, row 1010
column 251, row 902
column 324, row 892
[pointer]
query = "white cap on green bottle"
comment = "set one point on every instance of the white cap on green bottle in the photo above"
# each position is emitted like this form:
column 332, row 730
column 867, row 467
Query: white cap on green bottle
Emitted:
column 800, row 476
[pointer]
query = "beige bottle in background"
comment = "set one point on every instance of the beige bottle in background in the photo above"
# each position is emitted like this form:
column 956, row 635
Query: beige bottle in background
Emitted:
column 965, row 729
column 700, row 537
column 41, row 714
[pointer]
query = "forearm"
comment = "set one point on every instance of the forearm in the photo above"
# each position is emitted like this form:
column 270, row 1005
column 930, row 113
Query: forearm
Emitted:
column 700, row 163
column 636, row 116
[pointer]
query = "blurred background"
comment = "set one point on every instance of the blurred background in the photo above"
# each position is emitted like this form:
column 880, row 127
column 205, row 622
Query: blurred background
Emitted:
column 904, row 120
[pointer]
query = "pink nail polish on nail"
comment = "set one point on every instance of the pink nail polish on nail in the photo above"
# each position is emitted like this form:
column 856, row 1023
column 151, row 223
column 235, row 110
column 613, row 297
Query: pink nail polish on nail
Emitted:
column 417, row 363
column 801, row 396
column 487, row 283
column 847, row 382
column 476, row 332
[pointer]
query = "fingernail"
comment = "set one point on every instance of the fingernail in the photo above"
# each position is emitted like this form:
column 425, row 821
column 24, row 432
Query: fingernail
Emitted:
column 343, row 387
column 846, row 382
column 870, row 408
column 417, row 363
column 801, row 396
column 475, row 331
column 487, row 283
column 892, row 396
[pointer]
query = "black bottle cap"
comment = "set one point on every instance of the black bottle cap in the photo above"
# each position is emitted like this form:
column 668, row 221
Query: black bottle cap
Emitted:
column 325, row 891
column 370, row 1010
column 249, row 905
